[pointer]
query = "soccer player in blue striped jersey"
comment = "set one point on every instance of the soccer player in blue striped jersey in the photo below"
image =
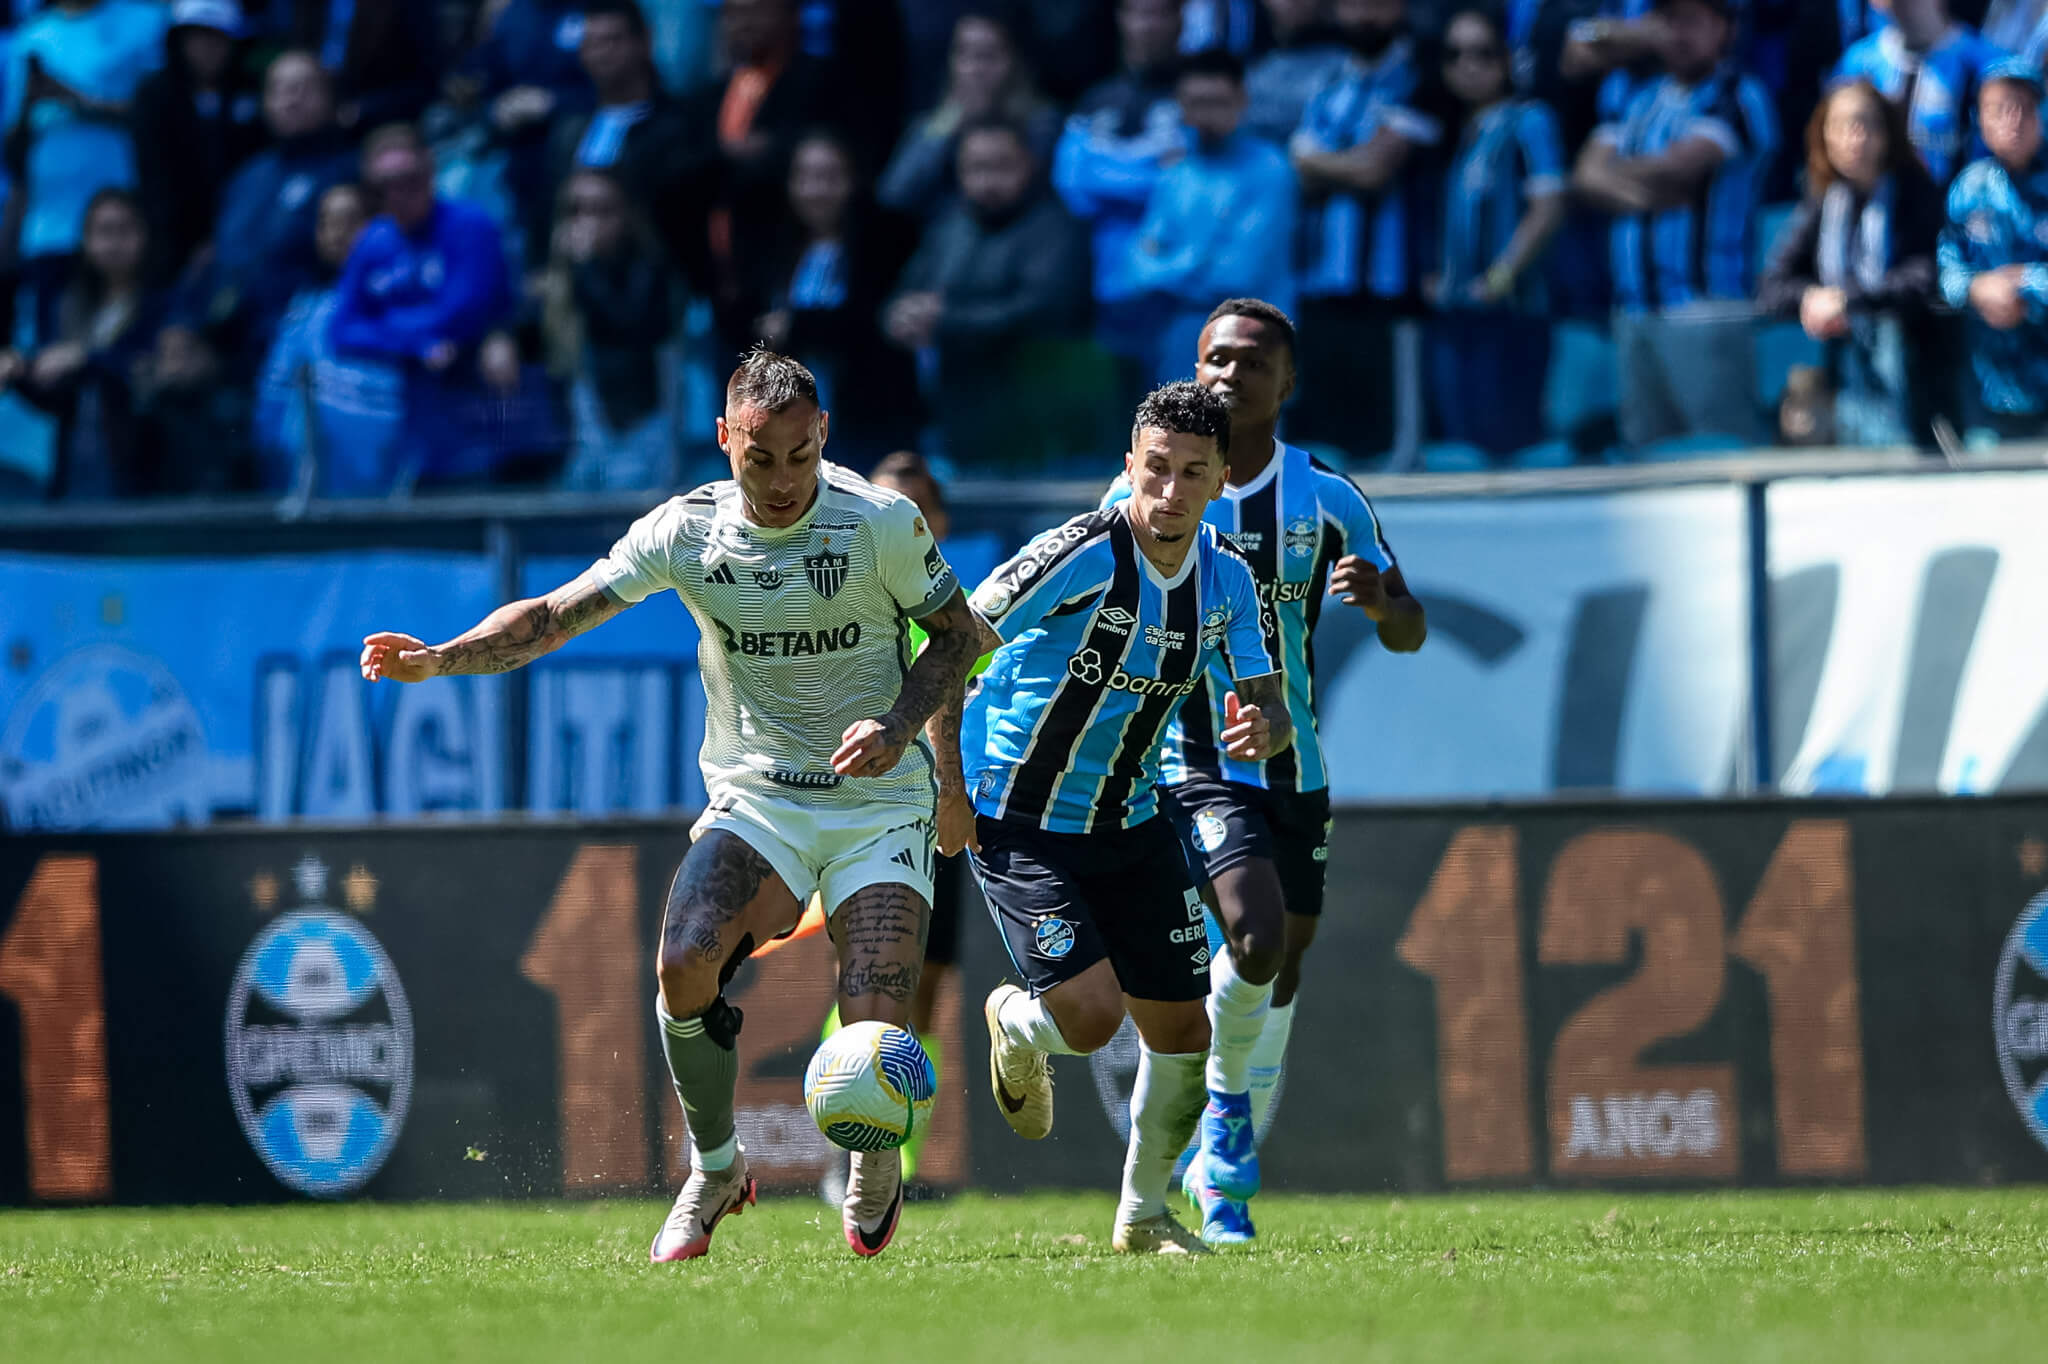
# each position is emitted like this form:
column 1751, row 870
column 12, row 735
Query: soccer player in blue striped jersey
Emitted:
column 1258, row 831
column 1102, row 628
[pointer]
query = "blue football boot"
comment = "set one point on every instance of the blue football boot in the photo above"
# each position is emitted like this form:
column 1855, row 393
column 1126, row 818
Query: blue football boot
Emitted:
column 1225, row 1221
column 1230, row 1147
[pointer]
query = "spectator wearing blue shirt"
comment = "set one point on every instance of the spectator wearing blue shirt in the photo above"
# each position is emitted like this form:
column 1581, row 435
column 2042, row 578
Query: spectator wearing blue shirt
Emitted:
column 263, row 237
column 1679, row 176
column 1855, row 264
column 72, row 73
column 424, row 286
column 1504, row 200
column 1122, row 135
column 1362, row 158
column 1306, row 53
column 2016, row 25
column 1994, row 255
column 310, row 400
column 1931, row 67
column 1219, row 218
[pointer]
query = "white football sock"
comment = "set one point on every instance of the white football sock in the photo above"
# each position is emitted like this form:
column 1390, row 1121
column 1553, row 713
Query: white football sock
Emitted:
column 1237, row 1019
column 1265, row 1060
column 1166, row 1104
column 1028, row 1023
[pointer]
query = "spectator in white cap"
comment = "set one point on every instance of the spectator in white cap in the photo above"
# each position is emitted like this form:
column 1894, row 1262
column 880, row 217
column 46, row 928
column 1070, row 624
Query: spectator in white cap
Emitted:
column 194, row 122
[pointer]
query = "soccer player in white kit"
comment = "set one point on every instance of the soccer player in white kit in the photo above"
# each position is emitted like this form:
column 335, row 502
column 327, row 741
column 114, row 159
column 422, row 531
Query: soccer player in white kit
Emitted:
column 802, row 578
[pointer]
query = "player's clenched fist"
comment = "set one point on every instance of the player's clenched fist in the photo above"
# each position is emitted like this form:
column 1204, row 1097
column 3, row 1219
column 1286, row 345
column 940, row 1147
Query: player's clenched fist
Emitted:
column 1247, row 733
column 398, row 657
column 1359, row 582
column 870, row 748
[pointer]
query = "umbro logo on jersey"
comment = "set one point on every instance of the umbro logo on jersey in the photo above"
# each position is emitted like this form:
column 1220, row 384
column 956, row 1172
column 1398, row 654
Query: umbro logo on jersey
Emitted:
column 827, row 572
column 1115, row 619
column 769, row 579
column 722, row 574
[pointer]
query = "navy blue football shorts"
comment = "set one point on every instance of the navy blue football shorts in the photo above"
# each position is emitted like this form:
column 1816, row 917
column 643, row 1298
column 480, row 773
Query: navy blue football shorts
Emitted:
column 1066, row 901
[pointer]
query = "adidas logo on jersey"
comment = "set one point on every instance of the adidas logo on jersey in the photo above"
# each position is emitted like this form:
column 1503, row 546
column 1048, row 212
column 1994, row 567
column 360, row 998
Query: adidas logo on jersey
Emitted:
column 722, row 575
column 902, row 858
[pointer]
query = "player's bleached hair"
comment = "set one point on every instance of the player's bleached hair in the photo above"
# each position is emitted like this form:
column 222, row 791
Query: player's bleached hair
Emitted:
column 1184, row 408
column 1258, row 310
column 771, row 382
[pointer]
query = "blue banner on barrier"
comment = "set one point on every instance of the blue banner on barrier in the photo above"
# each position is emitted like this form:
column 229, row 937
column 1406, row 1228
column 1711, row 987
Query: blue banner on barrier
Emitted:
column 138, row 693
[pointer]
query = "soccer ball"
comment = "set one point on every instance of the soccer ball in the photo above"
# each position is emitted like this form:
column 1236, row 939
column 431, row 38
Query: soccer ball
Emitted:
column 870, row 1087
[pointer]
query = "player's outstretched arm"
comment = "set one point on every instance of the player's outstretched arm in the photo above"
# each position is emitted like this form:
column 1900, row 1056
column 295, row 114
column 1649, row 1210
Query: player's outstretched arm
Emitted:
column 1255, row 720
column 953, row 641
column 510, row 637
column 1385, row 599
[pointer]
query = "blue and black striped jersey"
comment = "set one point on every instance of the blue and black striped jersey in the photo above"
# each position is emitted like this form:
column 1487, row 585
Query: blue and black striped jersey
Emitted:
column 1100, row 650
column 1291, row 523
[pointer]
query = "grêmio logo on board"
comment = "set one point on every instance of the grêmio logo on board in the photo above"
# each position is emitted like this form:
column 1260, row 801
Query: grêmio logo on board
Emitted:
column 319, row 1038
column 2019, row 1014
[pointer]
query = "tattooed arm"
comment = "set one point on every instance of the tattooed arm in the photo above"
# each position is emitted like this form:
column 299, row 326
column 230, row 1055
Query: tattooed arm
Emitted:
column 510, row 637
column 1255, row 722
column 953, row 642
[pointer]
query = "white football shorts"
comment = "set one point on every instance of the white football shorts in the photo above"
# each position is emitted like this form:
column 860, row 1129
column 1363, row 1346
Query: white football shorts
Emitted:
column 828, row 850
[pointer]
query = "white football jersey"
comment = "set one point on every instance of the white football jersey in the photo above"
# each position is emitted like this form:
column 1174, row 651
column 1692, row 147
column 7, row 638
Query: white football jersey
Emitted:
column 804, row 629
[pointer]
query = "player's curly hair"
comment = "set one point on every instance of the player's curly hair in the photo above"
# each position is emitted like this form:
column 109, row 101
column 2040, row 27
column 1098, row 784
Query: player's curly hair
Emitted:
column 771, row 382
column 1185, row 408
column 1258, row 310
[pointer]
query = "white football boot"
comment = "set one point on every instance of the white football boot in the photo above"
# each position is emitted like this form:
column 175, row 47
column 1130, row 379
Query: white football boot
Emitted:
column 1021, row 1077
column 707, row 1196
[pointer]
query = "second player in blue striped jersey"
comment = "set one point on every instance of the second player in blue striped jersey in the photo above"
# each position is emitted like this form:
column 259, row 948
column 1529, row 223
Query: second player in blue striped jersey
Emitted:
column 1258, row 831
column 1292, row 523
column 1100, row 650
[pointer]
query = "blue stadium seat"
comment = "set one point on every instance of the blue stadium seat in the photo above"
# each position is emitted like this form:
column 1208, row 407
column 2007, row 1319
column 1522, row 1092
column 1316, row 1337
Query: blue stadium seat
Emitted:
column 1454, row 457
column 1779, row 347
column 1770, row 220
column 1582, row 385
column 1699, row 446
column 1329, row 454
column 1551, row 454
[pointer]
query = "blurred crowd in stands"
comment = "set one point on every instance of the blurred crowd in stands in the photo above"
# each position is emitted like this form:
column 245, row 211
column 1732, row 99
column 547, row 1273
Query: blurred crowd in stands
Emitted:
column 363, row 247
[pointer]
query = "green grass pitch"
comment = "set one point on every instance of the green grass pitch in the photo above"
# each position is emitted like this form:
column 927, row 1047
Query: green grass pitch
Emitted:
column 1887, row 1275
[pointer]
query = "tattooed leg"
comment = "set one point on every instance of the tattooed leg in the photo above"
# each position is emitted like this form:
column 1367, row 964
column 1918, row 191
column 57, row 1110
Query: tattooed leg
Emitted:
column 725, row 899
column 880, row 933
